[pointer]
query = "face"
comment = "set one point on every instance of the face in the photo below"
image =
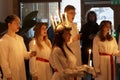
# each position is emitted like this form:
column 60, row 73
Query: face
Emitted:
column 106, row 29
column 43, row 30
column 66, row 36
column 92, row 17
column 71, row 15
column 14, row 25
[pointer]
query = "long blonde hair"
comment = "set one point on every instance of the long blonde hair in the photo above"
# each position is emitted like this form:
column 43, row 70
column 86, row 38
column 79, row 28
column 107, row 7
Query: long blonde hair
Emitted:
column 37, row 33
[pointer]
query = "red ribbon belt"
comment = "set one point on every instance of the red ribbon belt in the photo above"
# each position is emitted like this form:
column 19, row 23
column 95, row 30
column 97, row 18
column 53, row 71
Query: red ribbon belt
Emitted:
column 42, row 59
column 111, row 62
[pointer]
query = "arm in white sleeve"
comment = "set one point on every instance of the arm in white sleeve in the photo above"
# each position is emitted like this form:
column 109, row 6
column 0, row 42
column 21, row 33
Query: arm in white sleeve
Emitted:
column 96, row 57
column 116, row 48
column 32, row 62
column 4, row 61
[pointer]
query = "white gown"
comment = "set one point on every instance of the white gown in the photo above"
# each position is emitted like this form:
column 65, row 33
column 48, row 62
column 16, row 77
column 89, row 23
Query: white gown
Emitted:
column 102, row 63
column 12, row 54
column 39, row 65
column 75, row 45
column 61, row 64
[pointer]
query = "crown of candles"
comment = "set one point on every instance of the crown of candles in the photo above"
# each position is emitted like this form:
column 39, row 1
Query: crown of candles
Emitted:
column 59, row 21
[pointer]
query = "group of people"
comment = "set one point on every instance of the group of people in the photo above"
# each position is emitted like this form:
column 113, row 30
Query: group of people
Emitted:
column 64, row 59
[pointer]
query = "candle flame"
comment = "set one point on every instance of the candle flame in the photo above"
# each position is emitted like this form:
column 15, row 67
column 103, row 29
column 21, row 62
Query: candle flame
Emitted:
column 90, row 51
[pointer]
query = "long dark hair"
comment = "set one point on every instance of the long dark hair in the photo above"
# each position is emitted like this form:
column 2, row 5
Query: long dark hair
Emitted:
column 88, row 16
column 108, row 36
column 59, row 40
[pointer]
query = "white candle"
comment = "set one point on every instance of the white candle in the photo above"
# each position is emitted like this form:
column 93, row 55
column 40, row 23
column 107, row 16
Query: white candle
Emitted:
column 89, row 56
column 61, row 17
column 90, row 51
column 66, row 19
column 53, row 22
column 58, row 16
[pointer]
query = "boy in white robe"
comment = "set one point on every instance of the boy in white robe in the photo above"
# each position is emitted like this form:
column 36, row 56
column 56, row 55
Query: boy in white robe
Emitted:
column 13, row 51
column 74, row 42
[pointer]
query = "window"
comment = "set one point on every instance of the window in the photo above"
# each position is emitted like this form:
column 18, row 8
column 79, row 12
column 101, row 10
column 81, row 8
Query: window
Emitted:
column 104, row 13
column 46, row 9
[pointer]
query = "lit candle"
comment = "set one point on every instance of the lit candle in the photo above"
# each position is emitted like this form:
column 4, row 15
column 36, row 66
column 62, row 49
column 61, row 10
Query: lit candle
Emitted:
column 62, row 20
column 90, row 51
column 89, row 56
column 53, row 22
column 66, row 19
column 58, row 16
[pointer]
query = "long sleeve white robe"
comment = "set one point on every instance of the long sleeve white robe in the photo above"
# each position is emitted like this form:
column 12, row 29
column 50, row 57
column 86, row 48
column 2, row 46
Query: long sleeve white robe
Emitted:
column 102, row 63
column 60, row 63
column 75, row 45
column 12, row 54
column 38, row 68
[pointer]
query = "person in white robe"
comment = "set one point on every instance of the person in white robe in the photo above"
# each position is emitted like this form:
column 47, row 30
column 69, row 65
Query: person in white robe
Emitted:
column 104, row 48
column 39, row 65
column 74, row 42
column 13, row 51
column 62, row 58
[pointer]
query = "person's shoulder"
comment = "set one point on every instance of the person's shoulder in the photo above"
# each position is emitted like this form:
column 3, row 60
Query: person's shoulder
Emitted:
column 57, row 50
column 32, row 42
column 19, row 36
column 3, row 40
column 97, row 36
column 4, row 37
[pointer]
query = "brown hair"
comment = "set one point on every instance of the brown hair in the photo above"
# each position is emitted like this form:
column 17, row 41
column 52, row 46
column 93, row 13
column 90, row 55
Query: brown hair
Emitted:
column 68, row 8
column 59, row 40
column 37, row 32
column 10, row 18
column 108, row 36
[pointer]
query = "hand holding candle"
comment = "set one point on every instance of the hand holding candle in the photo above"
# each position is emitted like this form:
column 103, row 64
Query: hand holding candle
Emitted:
column 33, row 52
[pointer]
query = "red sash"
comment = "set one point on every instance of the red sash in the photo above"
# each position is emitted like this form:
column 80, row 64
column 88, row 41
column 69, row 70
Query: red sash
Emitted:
column 42, row 59
column 111, row 62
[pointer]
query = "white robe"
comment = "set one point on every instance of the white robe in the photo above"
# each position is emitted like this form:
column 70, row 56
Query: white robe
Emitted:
column 38, row 68
column 60, row 63
column 12, row 54
column 75, row 45
column 102, row 62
